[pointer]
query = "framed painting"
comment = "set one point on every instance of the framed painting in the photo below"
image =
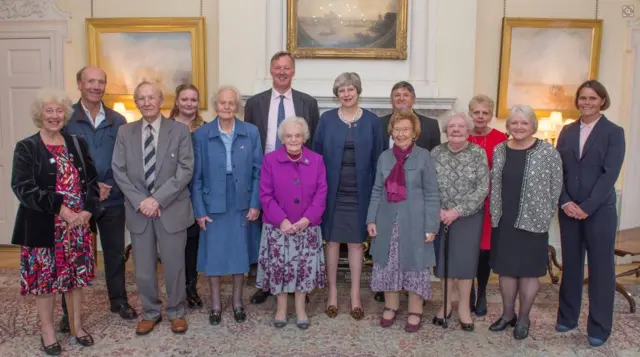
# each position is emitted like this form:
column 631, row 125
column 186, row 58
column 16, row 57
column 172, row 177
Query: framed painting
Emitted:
column 165, row 51
column 544, row 61
column 347, row 28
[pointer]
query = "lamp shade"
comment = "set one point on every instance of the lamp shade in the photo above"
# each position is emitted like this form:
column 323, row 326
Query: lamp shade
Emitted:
column 544, row 125
column 555, row 118
column 119, row 107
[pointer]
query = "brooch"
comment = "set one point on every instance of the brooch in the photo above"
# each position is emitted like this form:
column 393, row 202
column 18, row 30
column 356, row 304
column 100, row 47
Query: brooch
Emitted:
column 52, row 161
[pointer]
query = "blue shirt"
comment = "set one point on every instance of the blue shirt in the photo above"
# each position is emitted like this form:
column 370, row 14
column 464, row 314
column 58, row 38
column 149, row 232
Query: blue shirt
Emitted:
column 227, row 140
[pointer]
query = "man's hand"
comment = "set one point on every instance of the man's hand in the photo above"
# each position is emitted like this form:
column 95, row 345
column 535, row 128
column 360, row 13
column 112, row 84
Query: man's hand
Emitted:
column 150, row 207
column 105, row 190
column 253, row 214
column 202, row 222
column 574, row 211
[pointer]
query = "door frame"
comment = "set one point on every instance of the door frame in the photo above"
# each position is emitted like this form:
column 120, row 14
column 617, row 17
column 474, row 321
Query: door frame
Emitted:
column 41, row 19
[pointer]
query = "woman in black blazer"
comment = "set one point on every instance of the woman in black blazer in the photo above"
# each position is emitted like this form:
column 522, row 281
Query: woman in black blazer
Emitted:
column 54, row 179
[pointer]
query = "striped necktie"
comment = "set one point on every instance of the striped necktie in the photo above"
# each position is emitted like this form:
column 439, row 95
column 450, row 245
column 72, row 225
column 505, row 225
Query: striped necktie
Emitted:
column 149, row 159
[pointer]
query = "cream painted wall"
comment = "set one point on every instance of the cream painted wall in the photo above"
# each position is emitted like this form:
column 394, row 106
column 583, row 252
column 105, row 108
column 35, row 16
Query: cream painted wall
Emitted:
column 614, row 70
column 75, row 49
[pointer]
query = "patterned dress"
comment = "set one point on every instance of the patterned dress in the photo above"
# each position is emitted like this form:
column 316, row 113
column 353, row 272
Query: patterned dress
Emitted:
column 69, row 264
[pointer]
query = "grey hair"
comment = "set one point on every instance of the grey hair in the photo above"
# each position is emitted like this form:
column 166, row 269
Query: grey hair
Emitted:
column 464, row 116
column 224, row 88
column 524, row 111
column 147, row 83
column 294, row 120
column 46, row 96
column 347, row 79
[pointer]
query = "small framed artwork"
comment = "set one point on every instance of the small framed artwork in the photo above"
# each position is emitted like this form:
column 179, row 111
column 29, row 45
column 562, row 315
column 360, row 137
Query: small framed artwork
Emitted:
column 347, row 28
column 544, row 61
column 165, row 51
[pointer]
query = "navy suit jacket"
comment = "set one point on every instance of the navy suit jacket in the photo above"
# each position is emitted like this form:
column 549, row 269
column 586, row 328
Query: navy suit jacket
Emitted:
column 429, row 135
column 589, row 180
column 329, row 142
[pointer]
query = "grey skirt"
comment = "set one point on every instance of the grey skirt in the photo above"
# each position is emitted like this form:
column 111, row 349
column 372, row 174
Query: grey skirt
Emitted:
column 464, row 247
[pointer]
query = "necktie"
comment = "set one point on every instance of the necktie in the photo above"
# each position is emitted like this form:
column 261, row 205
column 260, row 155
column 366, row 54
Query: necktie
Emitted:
column 149, row 159
column 280, row 119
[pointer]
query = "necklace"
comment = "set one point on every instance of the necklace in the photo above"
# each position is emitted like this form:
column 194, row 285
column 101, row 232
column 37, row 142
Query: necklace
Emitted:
column 353, row 120
column 295, row 160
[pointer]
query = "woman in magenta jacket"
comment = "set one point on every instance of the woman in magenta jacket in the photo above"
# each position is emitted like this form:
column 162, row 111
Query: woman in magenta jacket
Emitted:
column 293, row 192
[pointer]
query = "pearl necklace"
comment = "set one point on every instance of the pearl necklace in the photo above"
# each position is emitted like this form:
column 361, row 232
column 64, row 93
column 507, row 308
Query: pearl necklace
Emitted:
column 355, row 117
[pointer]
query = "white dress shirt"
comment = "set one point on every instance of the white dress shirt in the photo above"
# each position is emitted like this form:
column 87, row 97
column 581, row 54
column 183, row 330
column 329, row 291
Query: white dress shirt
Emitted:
column 272, row 124
column 98, row 119
column 156, row 133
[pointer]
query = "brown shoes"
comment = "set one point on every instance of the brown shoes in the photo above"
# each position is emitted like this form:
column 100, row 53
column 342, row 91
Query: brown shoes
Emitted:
column 146, row 326
column 179, row 325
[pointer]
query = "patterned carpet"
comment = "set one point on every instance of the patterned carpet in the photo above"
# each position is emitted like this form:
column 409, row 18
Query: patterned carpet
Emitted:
column 19, row 332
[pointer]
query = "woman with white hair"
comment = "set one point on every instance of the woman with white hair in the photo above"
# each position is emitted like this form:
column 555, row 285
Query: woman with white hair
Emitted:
column 225, row 197
column 58, row 196
column 463, row 181
column 349, row 139
column 526, row 184
column 293, row 193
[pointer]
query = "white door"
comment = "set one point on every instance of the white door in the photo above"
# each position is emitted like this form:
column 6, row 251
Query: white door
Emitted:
column 25, row 67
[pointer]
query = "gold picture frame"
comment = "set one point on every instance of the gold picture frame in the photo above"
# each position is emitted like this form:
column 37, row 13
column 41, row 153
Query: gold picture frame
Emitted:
column 380, row 34
column 167, row 51
column 544, row 61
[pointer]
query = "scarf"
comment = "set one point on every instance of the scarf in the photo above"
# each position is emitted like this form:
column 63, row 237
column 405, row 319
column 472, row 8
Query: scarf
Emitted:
column 396, row 184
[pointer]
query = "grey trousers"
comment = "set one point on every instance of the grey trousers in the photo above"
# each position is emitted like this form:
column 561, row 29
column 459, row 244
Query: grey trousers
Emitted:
column 171, row 247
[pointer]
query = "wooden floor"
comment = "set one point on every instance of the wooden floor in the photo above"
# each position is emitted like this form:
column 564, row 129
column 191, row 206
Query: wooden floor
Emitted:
column 9, row 258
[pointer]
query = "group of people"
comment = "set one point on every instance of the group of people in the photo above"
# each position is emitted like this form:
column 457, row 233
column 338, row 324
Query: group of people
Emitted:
column 260, row 195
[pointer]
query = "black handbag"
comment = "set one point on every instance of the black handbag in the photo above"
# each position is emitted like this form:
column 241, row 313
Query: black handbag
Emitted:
column 99, row 208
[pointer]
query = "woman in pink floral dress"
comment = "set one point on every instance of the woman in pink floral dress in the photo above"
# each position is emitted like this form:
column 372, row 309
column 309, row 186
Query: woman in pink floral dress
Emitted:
column 54, row 179
column 293, row 192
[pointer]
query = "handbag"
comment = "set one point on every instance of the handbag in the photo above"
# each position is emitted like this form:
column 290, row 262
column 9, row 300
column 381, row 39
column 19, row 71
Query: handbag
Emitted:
column 99, row 208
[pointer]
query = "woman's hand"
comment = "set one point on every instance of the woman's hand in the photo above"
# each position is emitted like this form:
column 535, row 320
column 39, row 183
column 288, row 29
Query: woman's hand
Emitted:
column 449, row 216
column 302, row 224
column 73, row 219
column 371, row 229
column 86, row 216
column 253, row 214
column 429, row 237
column 287, row 228
column 202, row 222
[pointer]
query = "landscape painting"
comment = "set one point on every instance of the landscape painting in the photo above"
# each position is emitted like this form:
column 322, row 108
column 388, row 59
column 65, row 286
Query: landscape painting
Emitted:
column 347, row 28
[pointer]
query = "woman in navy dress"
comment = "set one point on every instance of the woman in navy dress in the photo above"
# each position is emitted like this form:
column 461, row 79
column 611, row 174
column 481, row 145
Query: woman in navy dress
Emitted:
column 225, row 195
column 350, row 140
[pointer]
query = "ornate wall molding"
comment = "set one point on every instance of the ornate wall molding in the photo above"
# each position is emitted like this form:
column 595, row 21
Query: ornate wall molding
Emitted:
column 31, row 9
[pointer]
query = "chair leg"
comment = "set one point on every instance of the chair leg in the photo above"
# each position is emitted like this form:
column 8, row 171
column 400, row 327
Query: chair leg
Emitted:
column 626, row 295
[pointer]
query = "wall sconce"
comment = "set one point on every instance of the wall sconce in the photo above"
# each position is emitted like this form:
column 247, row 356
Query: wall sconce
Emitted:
column 120, row 108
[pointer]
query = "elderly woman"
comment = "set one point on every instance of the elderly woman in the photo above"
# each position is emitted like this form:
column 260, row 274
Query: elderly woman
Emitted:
column 225, row 195
column 592, row 150
column 185, row 111
column 403, row 219
column 350, row 140
column 463, row 181
column 521, row 214
column 481, row 111
column 58, row 196
column 293, row 193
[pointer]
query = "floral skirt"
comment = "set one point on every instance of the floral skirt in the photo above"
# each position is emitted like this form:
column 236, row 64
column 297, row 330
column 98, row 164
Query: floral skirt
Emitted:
column 66, row 266
column 391, row 279
column 290, row 263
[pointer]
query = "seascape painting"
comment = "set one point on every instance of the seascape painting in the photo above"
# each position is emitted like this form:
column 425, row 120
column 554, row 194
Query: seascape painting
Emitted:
column 348, row 28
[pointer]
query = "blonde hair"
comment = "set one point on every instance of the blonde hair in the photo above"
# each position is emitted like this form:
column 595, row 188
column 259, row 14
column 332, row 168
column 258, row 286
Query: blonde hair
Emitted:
column 46, row 96
column 405, row 114
column 482, row 100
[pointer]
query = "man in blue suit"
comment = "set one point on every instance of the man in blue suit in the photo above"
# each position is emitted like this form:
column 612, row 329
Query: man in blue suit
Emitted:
column 592, row 151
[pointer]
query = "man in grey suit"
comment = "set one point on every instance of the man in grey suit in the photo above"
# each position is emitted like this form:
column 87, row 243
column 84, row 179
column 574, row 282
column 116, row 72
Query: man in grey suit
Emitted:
column 153, row 165
column 267, row 110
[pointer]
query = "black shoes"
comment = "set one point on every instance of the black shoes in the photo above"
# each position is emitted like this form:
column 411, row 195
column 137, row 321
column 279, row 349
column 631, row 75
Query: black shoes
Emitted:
column 124, row 310
column 193, row 300
column 521, row 331
column 239, row 315
column 440, row 322
column 215, row 316
column 379, row 296
column 260, row 296
column 53, row 349
column 467, row 327
column 501, row 324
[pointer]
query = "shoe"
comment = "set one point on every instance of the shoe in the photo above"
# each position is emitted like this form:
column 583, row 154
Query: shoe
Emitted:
column 440, row 322
column 521, row 331
column 53, row 349
column 501, row 324
column 259, row 297
column 379, row 296
column 239, row 315
column 179, row 325
column 193, row 300
column 467, row 327
column 481, row 306
column 388, row 322
column 279, row 323
column 302, row 324
column 562, row 328
column 215, row 316
column 357, row 313
column 332, row 311
column 86, row 340
column 596, row 342
column 410, row 328
column 64, row 324
column 125, row 311
column 146, row 326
